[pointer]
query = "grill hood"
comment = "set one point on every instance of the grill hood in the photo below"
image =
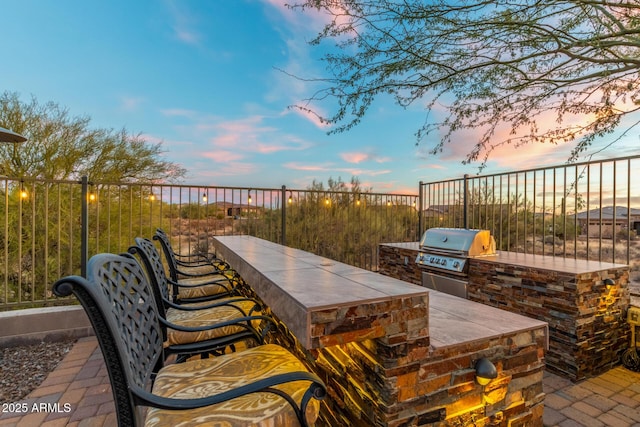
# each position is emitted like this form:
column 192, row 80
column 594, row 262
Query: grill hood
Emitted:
column 461, row 241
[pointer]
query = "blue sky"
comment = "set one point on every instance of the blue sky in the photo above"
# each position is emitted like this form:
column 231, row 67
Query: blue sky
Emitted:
column 202, row 78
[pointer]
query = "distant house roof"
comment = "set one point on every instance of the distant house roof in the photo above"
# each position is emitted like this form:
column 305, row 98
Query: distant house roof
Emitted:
column 607, row 212
column 440, row 208
column 226, row 205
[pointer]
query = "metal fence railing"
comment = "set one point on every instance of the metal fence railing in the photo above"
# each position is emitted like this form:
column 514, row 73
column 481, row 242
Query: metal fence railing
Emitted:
column 588, row 210
column 49, row 228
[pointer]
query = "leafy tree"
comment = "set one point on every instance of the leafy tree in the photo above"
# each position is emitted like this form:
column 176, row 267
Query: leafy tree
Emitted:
column 61, row 147
column 45, row 221
column 548, row 71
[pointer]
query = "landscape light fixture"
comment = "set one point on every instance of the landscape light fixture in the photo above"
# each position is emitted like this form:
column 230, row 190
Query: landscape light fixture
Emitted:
column 609, row 283
column 485, row 371
column 7, row 135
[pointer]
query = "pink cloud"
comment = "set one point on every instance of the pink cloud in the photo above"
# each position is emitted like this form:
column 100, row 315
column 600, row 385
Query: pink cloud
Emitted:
column 229, row 169
column 330, row 168
column 250, row 135
column 222, row 156
column 358, row 157
column 300, row 167
column 354, row 157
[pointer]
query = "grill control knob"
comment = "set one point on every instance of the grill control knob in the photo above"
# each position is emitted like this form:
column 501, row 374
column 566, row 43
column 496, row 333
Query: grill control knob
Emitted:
column 456, row 264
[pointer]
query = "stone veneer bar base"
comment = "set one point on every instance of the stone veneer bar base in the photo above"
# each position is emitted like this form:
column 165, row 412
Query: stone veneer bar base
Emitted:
column 587, row 321
column 421, row 372
column 380, row 383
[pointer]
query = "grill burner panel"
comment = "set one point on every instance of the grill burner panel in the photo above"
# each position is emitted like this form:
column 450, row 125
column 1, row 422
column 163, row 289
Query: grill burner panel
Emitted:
column 441, row 261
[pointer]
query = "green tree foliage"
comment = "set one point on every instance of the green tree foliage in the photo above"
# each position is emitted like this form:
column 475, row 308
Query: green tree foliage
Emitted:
column 61, row 146
column 346, row 222
column 41, row 236
column 539, row 71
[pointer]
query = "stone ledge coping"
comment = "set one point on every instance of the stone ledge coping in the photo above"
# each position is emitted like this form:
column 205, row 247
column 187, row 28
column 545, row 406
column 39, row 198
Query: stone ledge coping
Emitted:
column 454, row 321
column 317, row 297
column 543, row 262
column 552, row 263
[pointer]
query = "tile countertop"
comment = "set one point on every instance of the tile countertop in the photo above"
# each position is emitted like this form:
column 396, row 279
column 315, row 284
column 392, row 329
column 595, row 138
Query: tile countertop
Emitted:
column 543, row 262
column 313, row 282
column 295, row 283
column 454, row 320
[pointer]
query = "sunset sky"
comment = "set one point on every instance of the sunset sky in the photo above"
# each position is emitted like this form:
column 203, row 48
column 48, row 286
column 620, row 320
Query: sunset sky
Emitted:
column 204, row 78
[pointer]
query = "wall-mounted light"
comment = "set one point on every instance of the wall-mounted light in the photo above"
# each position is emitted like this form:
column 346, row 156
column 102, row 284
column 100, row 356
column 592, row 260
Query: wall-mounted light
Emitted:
column 485, row 371
column 609, row 283
column 7, row 135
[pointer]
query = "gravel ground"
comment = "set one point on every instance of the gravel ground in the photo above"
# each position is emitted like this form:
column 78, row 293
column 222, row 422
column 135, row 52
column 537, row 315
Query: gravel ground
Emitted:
column 23, row 368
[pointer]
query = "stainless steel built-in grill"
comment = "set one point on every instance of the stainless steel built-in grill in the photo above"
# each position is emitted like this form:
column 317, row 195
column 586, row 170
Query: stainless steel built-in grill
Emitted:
column 444, row 257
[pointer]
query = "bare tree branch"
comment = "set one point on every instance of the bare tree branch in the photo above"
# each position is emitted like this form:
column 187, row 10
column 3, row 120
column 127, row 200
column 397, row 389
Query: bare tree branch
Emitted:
column 490, row 63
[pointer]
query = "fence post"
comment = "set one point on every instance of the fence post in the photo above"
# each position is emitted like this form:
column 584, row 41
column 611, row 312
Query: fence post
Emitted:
column 420, row 210
column 283, row 237
column 84, row 227
column 465, row 203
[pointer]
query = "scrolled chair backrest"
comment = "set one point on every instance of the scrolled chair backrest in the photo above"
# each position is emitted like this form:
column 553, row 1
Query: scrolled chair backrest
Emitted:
column 118, row 300
column 165, row 243
column 152, row 260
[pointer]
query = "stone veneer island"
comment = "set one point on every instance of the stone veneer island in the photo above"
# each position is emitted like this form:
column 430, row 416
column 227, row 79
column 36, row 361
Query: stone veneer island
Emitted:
column 587, row 319
column 393, row 353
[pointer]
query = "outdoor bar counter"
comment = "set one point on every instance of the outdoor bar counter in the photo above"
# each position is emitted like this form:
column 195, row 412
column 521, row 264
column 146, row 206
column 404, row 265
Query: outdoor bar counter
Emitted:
column 393, row 353
column 587, row 319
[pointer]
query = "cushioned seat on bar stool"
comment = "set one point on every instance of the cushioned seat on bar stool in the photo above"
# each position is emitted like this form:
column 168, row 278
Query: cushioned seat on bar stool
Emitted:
column 261, row 386
column 194, row 378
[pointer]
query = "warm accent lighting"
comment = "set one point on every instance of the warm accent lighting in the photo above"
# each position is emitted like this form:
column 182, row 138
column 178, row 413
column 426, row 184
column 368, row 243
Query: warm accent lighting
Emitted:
column 204, row 197
column 152, row 197
column 290, row 199
column 92, row 197
column 485, row 371
column 358, row 202
column 24, row 194
column 609, row 283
